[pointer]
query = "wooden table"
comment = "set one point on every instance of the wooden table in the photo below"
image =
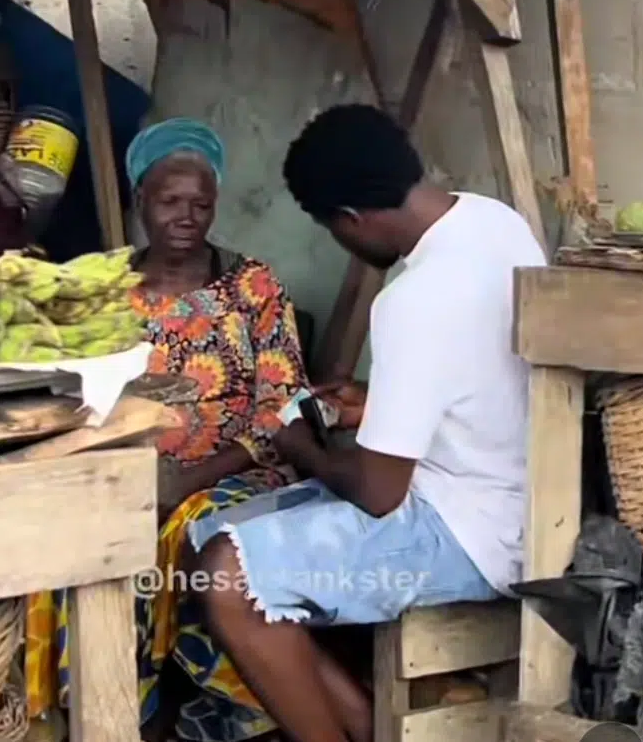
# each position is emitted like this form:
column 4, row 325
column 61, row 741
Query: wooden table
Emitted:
column 87, row 522
column 567, row 322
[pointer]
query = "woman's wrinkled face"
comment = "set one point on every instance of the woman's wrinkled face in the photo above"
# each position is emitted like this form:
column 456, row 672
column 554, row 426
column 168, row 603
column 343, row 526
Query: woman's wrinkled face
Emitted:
column 178, row 200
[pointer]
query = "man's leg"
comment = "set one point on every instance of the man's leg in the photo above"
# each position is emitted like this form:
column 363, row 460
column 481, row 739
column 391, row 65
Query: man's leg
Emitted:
column 304, row 691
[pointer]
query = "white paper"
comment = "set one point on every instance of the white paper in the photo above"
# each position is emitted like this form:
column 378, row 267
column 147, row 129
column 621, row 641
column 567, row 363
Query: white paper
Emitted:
column 290, row 411
column 102, row 379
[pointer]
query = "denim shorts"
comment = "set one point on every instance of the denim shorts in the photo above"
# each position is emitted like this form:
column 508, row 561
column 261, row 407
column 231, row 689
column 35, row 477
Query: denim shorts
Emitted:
column 307, row 556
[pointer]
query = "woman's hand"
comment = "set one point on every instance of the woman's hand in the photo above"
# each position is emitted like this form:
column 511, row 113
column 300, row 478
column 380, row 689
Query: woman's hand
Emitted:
column 348, row 397
column 176, row 483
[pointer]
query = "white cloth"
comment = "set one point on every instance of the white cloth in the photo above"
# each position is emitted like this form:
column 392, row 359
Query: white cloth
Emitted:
column 102, row 380
column 445, row 388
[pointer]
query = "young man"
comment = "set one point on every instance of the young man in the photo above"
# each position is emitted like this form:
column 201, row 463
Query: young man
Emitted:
column 428, row 508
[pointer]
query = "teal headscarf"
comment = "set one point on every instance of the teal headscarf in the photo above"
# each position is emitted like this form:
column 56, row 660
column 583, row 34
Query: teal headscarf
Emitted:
column 168, row 137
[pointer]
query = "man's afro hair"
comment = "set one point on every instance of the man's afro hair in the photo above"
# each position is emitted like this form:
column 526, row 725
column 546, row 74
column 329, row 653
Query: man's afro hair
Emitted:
column 352, row 156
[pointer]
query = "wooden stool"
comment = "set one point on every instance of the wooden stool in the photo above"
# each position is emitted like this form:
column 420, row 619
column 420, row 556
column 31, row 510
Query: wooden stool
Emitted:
column 432, row 641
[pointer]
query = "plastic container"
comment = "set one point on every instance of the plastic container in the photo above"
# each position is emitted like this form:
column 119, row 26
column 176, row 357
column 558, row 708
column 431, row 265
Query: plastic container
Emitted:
column 43, row 142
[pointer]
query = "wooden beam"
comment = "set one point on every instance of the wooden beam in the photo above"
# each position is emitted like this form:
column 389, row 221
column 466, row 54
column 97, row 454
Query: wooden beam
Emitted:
column 506, row 140
column 391, row 693
column 449, row 638
column 97, row 125
column 501, row 17
column 556, row 399
column 579, row 318
column 576, row 100
column 529, row 723
column 99, row 513
column 462, row 722
column 103, row 692
column 423, row 64
column 131, row 421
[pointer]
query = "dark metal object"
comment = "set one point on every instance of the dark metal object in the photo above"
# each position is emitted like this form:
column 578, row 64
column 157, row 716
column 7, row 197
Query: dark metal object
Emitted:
column 589, row 607
column 312, row 415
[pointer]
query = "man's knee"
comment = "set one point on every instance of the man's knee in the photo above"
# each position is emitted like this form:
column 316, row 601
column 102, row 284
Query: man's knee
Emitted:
column 218, row 555
column 217, row 570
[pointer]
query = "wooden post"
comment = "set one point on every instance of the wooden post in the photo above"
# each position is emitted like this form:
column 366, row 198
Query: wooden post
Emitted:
column 95, row 528
column 97, row 123
column 576, row 102
column 507, row 147
column 552, row 524
column 502, row 18
column 103, row 694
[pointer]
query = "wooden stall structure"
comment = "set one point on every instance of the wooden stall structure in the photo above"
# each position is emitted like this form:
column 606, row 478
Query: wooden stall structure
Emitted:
column 86, row 521
column 78, row 510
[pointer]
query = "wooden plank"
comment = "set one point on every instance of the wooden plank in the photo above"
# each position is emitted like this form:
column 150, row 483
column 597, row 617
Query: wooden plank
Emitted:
column 502, row 18
column 507, row 147
column 89, row 517
column 132, row 420
column 576, row 102
column 610, row 257
column 423, row 64
column 582, row 318
column 103, row 693
column 455, row 637
column 556, row 399
column 391, row 693
column 99, row 134
column 467, row 722
column 527, row 723
column 23, row 418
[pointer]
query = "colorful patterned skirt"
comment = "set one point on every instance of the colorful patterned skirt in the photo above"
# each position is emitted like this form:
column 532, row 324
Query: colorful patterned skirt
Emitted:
column 167, row 625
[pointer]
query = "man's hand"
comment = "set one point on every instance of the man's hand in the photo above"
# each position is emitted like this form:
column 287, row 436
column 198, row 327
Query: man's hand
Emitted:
column 296, row 445
column 291, row 440
column 348, row 397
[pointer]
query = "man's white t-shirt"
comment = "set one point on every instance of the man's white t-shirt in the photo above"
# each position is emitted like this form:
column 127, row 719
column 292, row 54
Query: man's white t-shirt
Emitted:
column 446, row 389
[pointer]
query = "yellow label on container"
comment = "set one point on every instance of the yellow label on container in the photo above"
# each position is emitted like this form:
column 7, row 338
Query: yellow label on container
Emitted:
column 44, row 143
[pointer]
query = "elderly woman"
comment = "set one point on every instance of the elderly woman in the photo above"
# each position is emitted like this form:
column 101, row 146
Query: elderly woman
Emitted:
column 225, row 322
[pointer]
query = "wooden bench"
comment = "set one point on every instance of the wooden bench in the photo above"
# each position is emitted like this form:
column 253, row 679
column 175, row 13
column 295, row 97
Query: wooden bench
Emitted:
column 432, row 641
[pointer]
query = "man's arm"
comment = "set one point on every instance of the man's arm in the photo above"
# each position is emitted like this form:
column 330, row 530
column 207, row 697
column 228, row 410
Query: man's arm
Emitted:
column 413, row 379
column 374, row 482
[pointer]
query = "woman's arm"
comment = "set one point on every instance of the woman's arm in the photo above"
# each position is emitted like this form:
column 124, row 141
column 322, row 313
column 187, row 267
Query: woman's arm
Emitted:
column 279, row 366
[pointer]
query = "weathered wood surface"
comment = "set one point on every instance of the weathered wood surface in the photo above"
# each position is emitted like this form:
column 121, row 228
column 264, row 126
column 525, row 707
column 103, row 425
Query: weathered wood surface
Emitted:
column 77, row 520
column 502, row 17
column 392, row 693
column 27, row 417
column 580, row 318
column 609, row 257
column 99, row 135
column 556, row 399
column 576, row 100
column 133, row 420
column 532, row 723
column 467, row 722
column 103, row 693
column 456, row 637
column 491, row 72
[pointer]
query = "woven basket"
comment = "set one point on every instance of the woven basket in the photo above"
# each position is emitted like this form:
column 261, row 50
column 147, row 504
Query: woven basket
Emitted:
column 621, row 406
column 14, row 720
column 11, row 633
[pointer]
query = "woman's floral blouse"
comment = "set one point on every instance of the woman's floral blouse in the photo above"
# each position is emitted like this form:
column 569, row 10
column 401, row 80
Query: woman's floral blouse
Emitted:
column 237, row 338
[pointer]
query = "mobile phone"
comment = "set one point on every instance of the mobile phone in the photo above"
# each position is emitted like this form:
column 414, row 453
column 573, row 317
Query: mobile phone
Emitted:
column 312, row 415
